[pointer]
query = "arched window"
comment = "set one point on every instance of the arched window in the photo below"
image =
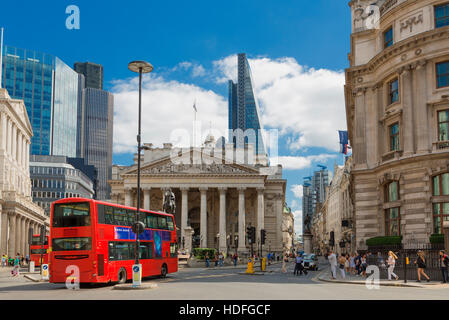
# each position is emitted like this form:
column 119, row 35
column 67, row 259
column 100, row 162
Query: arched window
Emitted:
column 440, row 208
column 392, row 214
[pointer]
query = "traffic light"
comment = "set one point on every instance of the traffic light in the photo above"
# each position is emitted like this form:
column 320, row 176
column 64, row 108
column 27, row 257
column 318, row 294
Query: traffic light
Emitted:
column 263, row 236
column 253, row 234
column 248, row 234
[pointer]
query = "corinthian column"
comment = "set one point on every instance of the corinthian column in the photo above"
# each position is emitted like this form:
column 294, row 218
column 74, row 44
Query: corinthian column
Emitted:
column 128, row 197
column 242, row 225
column 424, row 144
column 260, row 212
column 12, row 235
column 184, row 213
column 222, row 222
column 146, row 198
column 203, row 213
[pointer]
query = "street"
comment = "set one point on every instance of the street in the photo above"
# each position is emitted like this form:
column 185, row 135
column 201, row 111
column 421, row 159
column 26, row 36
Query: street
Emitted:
column 219, row 284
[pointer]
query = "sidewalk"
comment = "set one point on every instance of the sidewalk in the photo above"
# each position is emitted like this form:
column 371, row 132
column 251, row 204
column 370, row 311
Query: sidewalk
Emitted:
column 360, row 280
column 239, row 266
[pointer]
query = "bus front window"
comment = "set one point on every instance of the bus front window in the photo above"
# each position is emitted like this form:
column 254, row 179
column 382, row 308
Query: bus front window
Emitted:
column 71, row 215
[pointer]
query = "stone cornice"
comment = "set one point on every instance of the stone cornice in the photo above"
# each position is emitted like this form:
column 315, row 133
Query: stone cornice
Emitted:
column 397, row 49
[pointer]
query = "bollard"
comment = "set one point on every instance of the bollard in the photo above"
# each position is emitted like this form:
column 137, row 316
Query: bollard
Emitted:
column 250, row 268
column 263, row 264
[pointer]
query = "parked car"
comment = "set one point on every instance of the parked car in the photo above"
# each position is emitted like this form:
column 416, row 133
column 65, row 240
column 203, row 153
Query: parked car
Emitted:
column 310, row 262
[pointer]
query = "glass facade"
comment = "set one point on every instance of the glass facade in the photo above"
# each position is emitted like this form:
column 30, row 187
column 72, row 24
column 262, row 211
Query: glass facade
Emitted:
column 96, row 145
column 244, row 112
column 45, row 84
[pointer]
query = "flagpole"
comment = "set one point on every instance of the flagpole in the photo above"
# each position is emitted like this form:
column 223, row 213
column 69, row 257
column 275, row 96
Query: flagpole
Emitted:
column 1, row 58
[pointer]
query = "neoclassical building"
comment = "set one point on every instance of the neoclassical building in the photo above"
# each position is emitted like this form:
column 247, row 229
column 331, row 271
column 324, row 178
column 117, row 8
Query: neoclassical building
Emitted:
column 216, row 198
column 17, row 211
column 397, row 108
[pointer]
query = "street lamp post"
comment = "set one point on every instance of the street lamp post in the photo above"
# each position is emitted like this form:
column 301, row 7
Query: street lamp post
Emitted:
column 139, row 67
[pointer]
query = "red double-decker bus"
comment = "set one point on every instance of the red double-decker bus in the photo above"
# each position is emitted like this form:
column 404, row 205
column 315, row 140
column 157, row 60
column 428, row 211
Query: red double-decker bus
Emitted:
column 96, row 237
column 36, row 249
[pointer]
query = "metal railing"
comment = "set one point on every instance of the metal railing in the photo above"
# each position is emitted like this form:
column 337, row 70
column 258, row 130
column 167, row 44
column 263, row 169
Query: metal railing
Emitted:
column 408, row 250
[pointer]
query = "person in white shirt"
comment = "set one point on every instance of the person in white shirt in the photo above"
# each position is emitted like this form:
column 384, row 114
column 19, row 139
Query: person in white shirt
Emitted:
column 391, row 263
column 332, row 258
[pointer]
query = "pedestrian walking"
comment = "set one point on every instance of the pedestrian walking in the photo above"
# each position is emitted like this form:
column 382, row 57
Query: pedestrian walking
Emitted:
column 27, row 259
column 364, row 265
column 341, row 266
column 332, row 258
column 216, row 260
column 220, row 259
column 207, row 260
column 299, row 267
column 352, row 263
column 347, row 263
column 421, row 264
column 391, row 264
column 235, row 259
column 4, row 260
column 444, row 263
column 15, row 271
column 284, row 262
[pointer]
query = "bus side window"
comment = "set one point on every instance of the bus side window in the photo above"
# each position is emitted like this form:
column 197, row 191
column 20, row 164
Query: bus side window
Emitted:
column 100, row 213
column 120, row 217
column 108, row 215
column 131, row 217
column 153, row 221
column 162, row 223
column 170, row 224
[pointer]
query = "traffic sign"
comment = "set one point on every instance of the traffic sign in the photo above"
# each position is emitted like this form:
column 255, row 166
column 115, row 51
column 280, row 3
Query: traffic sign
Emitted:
column 137, row 275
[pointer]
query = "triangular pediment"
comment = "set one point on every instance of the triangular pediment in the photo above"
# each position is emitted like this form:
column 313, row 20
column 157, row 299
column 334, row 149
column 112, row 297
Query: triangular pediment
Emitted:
column 193, row 162
column 17, row 109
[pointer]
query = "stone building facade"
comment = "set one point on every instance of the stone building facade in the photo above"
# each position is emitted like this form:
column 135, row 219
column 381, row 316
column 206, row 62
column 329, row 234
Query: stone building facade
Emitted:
column 339, row 210
column 397, row 107
column 17, row 211
column 216, row 197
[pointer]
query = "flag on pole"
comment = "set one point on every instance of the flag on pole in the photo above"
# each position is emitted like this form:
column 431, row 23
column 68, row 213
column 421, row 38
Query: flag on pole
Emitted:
column 194, row 106
column 343, row 137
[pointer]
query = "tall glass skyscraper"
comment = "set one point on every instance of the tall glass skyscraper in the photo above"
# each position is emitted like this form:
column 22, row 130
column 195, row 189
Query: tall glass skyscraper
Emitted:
column 49, row 89
column 244, row 110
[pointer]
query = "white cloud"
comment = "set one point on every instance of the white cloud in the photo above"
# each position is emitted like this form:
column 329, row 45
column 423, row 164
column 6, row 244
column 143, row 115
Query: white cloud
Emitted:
column 297, row 190
column 197, row 70
column 298, row 221
column 298, row 163
column 166, row 106
column 304, row 102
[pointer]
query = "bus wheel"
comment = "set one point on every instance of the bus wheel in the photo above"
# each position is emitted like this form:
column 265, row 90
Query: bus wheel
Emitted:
column 164, row 271
column 121, row 275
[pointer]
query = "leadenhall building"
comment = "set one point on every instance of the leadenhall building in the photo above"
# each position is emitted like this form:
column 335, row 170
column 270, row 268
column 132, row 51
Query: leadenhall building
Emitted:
column 217, row 196
column 397, row 108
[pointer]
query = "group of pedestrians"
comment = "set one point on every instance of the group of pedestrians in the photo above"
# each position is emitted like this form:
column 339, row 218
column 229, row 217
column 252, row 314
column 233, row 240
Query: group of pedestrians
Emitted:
column 299, row 266
column 218, row 259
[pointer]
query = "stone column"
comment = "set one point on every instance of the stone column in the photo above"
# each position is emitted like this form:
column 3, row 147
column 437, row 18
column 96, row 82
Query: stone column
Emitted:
column 22, row 236
column 128, row 197
column 4, row 235
column 27, row 231
column 3, row 132
column 203, row 220
column 14, row 142
column 424, row 144
column 222, row 221
column 279, row 209
column 184, row 216
column 359, row 143
column 12, row 235
column 242, row 225
column 188, row 233
column 260, row 212
column 407, row 103
column 146, row 198
column 9, row 137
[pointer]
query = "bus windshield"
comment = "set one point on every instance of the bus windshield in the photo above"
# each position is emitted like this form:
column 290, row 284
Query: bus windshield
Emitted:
column 36, row 241
column 71, row 215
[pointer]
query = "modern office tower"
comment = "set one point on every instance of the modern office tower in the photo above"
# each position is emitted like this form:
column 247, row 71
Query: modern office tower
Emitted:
column 244, row 110
column 49, row 89
column 92, row 72
column 96, row 131
column 54, row 177
column 95, row 125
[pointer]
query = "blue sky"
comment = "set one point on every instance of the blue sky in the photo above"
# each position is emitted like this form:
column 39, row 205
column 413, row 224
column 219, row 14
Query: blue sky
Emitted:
column 191, row 45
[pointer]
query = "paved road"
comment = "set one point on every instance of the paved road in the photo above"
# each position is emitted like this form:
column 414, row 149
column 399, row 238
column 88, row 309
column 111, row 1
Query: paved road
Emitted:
column 222, row 284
